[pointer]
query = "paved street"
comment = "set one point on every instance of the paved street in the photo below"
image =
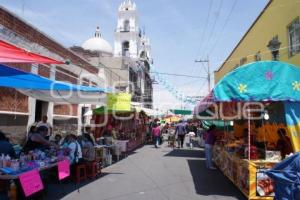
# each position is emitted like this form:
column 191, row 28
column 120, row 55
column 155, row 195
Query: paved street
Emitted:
column 151, row 173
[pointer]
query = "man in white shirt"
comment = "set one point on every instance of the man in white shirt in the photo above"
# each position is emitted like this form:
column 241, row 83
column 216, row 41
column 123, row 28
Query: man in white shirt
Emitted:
column 45, row 123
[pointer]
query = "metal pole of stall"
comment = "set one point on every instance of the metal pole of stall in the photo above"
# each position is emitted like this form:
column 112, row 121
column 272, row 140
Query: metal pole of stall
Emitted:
column 249, row 134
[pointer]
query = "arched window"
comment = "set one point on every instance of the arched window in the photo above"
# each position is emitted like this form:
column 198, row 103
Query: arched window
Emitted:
column 143, row 54
column 125, row 49
column 126, row 26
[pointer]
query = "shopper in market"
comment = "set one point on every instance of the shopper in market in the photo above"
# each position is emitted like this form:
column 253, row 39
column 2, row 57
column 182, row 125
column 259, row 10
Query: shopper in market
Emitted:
column 36, row 140
column 88, row 149
column 210, row 138
column 156, row 134
column 32, row 129
column 88, row 130
column 6, row 148
column 44, row 122
column 75, row 149
column 284, row 143
column 107, row 134
column 180, row 132
column 166, row 128
column 57, row 139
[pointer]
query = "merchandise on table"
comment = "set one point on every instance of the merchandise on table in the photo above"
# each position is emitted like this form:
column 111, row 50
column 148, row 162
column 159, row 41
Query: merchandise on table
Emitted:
column 34, row 159
column 231, row 157
column 129, row 127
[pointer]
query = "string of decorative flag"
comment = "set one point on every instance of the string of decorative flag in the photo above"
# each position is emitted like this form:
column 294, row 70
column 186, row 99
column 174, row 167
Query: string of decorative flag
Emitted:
column 171, row 89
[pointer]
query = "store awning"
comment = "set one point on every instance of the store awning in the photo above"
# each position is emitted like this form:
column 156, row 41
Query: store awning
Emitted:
column 151, row 112
column 260, row 81
column 256, row 82
column 12, row 54
column 205, row 103
column 264, row 81
column 49, row 90
column 181, row 112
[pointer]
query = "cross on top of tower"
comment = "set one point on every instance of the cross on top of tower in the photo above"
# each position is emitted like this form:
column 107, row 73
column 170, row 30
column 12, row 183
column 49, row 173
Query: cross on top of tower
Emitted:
column 97, row 32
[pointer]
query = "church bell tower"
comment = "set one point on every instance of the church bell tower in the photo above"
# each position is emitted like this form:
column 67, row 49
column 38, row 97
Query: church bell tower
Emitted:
column 127, row 33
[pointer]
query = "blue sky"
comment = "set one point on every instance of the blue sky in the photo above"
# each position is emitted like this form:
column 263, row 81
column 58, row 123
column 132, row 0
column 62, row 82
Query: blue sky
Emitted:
column 178, row 30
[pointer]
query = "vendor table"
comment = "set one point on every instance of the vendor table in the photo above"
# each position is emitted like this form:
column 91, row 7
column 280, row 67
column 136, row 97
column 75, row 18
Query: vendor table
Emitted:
column 7, row 177
column 242, row 172
column 16, row 176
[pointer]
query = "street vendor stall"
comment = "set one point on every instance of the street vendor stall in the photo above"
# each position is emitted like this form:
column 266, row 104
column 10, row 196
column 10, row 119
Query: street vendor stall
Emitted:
column 128, row 127
column 25, row 166
column 261, row 101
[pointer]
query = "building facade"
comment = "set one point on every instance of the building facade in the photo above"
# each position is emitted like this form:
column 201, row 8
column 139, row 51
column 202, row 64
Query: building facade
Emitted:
column 274, row 35
column 17, row 111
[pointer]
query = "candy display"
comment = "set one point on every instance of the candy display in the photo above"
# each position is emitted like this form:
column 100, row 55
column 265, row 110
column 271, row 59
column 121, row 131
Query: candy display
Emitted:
column 265, row 185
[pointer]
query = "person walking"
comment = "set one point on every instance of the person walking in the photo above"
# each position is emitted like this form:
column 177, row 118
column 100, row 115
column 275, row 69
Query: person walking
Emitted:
column 180, row 131
column 156, row 135
column 209, row 142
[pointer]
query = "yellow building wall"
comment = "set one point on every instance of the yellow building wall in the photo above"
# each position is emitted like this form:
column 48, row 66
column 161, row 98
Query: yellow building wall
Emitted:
column 274, row 21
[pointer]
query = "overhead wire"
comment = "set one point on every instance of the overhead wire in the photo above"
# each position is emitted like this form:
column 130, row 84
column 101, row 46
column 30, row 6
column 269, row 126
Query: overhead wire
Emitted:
column 211, row 33
column 205, row 27
column 234, row 59
column 223, row 28
column 203, row 33
column 183, row 75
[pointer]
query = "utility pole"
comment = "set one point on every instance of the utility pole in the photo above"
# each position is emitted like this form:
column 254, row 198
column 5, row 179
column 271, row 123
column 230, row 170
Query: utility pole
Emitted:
column 208, row 71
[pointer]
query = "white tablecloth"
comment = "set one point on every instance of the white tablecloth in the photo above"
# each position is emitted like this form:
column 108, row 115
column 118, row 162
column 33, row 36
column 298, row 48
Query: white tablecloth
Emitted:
column 122, row 144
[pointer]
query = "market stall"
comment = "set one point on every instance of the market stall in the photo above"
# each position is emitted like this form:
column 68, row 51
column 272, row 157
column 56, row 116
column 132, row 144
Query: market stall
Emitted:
column 128, row 127
column 171, row 119
column 261, row 101
column 25, row 168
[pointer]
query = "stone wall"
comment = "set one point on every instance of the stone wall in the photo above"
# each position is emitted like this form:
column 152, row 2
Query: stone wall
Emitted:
column 65, row 126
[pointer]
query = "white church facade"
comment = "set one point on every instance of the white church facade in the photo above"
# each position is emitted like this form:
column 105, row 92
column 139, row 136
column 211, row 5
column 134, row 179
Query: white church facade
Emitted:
column 126, row 67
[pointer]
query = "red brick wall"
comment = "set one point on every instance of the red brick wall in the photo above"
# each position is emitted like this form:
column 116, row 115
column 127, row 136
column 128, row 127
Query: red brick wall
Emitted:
column 66, row 109
column 20, row 66
column 44, row 71
column 12, row 100
column 64, row 75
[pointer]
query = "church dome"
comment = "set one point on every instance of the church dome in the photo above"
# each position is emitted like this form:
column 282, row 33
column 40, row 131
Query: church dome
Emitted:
column 97, row 43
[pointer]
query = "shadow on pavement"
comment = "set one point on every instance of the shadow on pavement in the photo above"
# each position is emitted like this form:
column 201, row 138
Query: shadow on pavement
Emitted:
column 207, row 182
column 212, row 182
column 68, row 187
column 188, row 153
